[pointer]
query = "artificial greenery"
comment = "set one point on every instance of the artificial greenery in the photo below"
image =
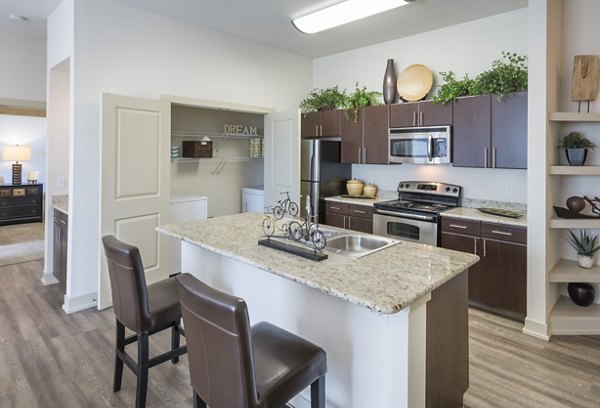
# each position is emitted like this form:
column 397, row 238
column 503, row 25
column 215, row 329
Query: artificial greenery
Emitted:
column 507, row 75
column 576, row 140
column 323, row 99
column 359, row 99
column 583, row 243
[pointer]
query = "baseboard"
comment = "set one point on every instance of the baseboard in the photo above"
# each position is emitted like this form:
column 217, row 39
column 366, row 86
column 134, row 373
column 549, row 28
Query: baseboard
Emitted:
column 48, row 279
column 536, row 329
column 79, row 303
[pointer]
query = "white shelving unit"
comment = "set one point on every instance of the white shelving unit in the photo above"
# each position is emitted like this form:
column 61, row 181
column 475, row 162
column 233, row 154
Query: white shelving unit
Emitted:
column 566, row 317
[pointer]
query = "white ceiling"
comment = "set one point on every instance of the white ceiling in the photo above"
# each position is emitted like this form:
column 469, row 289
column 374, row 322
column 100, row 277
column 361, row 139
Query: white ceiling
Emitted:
column 269, row 21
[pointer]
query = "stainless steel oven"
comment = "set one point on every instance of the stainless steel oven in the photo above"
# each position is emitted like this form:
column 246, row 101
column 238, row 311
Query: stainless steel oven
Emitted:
column 415, row 215
column 411, row 227
column 420, row 145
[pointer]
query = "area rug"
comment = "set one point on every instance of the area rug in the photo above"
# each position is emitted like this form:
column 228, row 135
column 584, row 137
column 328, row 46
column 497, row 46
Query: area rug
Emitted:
column 21, row 243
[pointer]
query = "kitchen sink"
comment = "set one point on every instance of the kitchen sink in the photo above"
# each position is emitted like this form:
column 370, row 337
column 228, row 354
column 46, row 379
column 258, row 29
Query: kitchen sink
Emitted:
column 357, row 245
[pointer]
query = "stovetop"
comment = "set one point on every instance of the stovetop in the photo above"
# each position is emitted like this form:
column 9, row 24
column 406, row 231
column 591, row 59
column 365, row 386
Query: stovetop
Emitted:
column 423, row 196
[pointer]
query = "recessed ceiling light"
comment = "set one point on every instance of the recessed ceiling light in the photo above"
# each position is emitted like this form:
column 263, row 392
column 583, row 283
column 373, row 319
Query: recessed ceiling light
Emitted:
column 344, row 12
column 17, row 17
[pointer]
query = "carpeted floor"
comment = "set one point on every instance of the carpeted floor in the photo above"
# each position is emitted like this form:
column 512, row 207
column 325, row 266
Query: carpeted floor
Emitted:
column 21, row 243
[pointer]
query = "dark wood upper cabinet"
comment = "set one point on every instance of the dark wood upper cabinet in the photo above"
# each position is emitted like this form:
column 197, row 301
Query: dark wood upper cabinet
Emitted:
column 375, row 134
column 509, row 131
column 321, row 124
column 489, row 132
column 425, row 113
column 471, row 131
column 365, row 140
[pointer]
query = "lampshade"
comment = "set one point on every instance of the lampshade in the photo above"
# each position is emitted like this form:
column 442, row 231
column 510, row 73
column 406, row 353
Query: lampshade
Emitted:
column 344, row 12
column 16, row 153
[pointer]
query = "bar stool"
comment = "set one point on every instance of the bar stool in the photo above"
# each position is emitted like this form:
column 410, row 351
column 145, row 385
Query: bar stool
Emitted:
column 144, row 309
column 233, row 365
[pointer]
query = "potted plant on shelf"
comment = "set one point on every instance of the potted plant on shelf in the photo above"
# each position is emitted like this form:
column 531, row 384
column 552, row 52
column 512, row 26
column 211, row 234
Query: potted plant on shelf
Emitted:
column 323, row 99
column 586, row 247
column 359, row 99
column 576, row 146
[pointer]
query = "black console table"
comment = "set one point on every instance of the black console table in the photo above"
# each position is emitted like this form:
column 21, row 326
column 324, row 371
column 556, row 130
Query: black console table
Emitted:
column 20, row 203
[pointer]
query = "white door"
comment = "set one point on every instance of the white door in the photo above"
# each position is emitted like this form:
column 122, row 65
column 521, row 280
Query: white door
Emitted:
column 282, row 156
column 135, row 182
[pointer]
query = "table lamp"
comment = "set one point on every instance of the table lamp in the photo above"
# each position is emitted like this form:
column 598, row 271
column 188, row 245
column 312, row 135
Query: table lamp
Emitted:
column 16, row 153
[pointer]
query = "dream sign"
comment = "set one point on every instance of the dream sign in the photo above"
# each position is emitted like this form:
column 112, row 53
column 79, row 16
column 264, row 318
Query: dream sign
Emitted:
column 241, row 130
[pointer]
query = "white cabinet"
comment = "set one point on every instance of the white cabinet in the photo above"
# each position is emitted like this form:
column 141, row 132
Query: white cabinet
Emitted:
column 184, row 208
column 253, row 199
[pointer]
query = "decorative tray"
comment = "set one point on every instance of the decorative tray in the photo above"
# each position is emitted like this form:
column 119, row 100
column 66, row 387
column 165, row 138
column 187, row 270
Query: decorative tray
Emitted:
column 501, row 212
column 562, row 212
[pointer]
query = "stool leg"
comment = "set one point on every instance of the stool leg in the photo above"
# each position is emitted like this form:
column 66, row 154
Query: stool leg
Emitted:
column 142, row 371
column 317, row 393
column 120, row 345
column 198, row 402
column 174, row 342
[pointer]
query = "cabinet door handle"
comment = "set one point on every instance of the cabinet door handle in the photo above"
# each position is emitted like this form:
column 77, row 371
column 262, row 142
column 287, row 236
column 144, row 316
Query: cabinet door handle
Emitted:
column 349, row 223
column 415, row 118
column 364, row 160
column 494, row 157
column 458, row 226
column 359, row 155
column 334, row 208
column 359, row 211
column 475, row 246
column 485, row 157
column 508, row 234
column 421, row 119
column 320, row 130
column 316, row 130
column 484, row 248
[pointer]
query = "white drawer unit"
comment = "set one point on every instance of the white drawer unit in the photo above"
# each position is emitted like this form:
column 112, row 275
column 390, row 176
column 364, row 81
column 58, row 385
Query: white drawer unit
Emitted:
column 253, row 199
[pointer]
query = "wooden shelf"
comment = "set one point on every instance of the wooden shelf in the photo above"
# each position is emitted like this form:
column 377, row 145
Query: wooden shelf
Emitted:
column 568, row 318
column 570, row 271
column 575, row 170
column 574, row 117
column 580, row 223
column 199, row 159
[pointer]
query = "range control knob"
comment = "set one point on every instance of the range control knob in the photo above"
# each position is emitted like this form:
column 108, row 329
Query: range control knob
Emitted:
column 455, row 190
column 447, row 189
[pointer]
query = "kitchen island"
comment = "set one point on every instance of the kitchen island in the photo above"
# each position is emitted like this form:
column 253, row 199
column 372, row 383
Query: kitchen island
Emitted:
column 393, row 323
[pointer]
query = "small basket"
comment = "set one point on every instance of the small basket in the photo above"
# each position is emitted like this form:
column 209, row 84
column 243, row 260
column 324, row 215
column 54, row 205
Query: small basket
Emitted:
column 197, row 149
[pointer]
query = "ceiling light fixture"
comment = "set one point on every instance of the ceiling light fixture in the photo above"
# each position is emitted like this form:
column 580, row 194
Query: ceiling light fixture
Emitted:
column 344, row 12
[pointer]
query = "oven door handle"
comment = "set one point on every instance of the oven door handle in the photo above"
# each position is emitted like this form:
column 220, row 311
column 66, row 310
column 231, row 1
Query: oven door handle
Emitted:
column 430, row 148
column 406, row 215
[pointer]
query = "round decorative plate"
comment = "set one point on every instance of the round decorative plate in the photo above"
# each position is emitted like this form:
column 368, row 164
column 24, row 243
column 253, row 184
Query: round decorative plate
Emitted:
column 414, row 82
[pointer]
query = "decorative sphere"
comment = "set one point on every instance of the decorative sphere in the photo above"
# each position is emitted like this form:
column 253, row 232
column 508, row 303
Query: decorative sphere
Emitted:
column 575, row 203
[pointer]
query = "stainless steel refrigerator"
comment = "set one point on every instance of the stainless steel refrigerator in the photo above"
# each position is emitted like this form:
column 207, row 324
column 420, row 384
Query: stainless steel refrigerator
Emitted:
column 321, row 174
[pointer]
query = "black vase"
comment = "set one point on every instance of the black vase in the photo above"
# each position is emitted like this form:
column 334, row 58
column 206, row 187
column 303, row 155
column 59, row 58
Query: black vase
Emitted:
column 390, row 84
column 582, row 294
column 576, row 157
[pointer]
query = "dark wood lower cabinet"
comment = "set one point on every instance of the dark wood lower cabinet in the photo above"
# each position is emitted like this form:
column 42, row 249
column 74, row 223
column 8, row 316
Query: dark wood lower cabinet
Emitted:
column 498, row 282
column 447, row 360
column 349, row 216
column 60, row 227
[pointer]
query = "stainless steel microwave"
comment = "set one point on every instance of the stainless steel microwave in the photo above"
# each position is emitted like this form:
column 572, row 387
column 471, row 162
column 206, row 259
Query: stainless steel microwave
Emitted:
column 420, row 145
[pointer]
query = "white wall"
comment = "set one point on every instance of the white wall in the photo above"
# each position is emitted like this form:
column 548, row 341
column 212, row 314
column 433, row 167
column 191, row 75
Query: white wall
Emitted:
column 464, row 48
column 28, row 131
column 122, row 50
column 23, row 70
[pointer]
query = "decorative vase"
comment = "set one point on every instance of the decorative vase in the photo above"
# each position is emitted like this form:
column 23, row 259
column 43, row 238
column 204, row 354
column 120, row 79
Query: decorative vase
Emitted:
column 390, row 84
column 575, row 203
column 582, row 294
column 576, row 157
column 585, row 261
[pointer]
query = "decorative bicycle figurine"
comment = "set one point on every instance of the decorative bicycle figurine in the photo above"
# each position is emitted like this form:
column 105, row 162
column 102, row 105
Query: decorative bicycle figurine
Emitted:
column 306, row 230
column 285, row 206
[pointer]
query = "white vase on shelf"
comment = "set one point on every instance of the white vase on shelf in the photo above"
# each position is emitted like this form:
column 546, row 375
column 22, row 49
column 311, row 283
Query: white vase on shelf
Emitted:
column 585, row 261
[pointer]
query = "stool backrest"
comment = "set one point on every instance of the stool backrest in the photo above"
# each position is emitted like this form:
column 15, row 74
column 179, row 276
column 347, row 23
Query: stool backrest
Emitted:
column 218, row 336
column 127, row 284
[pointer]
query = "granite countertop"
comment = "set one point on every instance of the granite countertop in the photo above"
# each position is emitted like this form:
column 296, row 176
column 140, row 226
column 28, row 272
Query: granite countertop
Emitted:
column 61, row 203
column 385, row 281
column 474, row 214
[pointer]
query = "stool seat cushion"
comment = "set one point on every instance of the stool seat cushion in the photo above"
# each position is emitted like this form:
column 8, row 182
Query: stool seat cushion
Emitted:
column 163, row 302
column 285, row 364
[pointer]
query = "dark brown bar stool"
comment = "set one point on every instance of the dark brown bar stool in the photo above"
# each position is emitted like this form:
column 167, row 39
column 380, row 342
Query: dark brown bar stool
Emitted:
column 233, row 365
column 144, row 309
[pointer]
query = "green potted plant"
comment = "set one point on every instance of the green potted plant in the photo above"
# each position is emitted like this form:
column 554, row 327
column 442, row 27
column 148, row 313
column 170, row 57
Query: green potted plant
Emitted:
column 452, row 88
column 586, row 247
column 323, row 99
column 359, row 99
column 576, row 146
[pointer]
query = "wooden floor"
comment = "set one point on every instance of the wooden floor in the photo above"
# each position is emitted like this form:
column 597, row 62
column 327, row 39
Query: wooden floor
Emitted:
column 50, row 359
